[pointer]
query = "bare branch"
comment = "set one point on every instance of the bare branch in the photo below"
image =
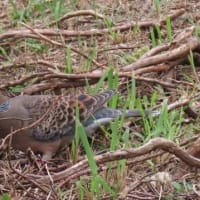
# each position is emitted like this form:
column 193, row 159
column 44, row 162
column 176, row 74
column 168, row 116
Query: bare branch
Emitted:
column 152, row 145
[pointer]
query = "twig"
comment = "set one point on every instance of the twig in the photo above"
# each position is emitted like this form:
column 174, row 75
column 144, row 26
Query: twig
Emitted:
column 181, row 51
column 40, row 87
column 66, row 33
column 91, row 77
column 76, row 14
column 156, row 50
column 120, row 46
column 152, row 145
column 17, row 172
column 24, row 64
column 45, row 38
column 178, row 104
column 154, row 68
column 23, row 79
column 147, row 79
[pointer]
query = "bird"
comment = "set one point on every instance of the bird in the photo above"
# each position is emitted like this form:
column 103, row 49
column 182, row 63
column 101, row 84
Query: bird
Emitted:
column 58, row 117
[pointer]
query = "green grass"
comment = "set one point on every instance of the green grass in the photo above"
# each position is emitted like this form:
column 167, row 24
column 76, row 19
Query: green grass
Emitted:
column 114, row 36
column 18, row 88
column 36, row 46
column 91, row 53
column 182, row 187
column 4, row 53
column 98, row 85
column 197, row 31
column 159, row 35
column 58, row 8
column 131, row 98
column 169, row 29
column 135, row 31
column 131, row 57
column 119, row 138
column 97, row 183
column 26, row 13
column 36, row 9
column 17, row 14
column 156, row 36
column 167, row 125
column 153, row 37
column 109, row 24
column 113, row 83
column 157, row 5
column 191, row 60
column 68, row 60
column 5, row 196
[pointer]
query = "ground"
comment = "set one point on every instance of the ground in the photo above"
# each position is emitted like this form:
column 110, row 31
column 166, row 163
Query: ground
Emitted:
column 148, row 51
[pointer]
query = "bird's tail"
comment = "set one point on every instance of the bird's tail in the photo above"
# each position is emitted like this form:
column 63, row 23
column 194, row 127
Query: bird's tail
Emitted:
column 138, row 113
column 116, row 113
column 104, row 116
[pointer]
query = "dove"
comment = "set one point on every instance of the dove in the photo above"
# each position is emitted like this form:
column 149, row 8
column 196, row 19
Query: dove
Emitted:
column 57, row 113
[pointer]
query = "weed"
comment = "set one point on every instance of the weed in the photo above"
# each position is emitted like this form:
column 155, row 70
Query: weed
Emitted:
column 157, row 5
column 5, row 197
column 97, row 182
column 36, row 46
column 68, row 60
column 169, row 29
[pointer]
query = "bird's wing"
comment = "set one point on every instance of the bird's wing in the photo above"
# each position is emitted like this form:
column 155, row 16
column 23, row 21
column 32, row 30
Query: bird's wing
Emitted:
column 61, row 114
column 94, row 102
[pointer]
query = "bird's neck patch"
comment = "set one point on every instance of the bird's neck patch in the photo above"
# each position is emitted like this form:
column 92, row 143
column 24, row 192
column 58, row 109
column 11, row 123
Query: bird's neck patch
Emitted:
column 4, row 107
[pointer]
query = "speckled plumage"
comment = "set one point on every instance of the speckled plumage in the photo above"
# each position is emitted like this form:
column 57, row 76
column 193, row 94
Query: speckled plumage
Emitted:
column 58, row 125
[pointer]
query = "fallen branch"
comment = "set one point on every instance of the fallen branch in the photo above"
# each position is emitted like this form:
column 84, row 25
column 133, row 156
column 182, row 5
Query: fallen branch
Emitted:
column 181, row 51
column 68, row 78
column 178, row 104
column 164, row 47
column 24, row 33
column 152, row 145
column 147, row 79
column 45, row 38
column 23, row 79
column 24, row 64
column 40, row 87
column 76, row 14
column 156, row 50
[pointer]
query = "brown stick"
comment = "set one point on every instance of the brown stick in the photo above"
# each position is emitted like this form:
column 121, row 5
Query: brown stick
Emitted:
column 76, row 14
column 92, row 78
column 45, row 38
column 23, row 79
column 152, row 145
column 66, row 33
column 40, row 87
column 178, row 104
column 181, row 51
column 24, row 64
column 156, row 50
